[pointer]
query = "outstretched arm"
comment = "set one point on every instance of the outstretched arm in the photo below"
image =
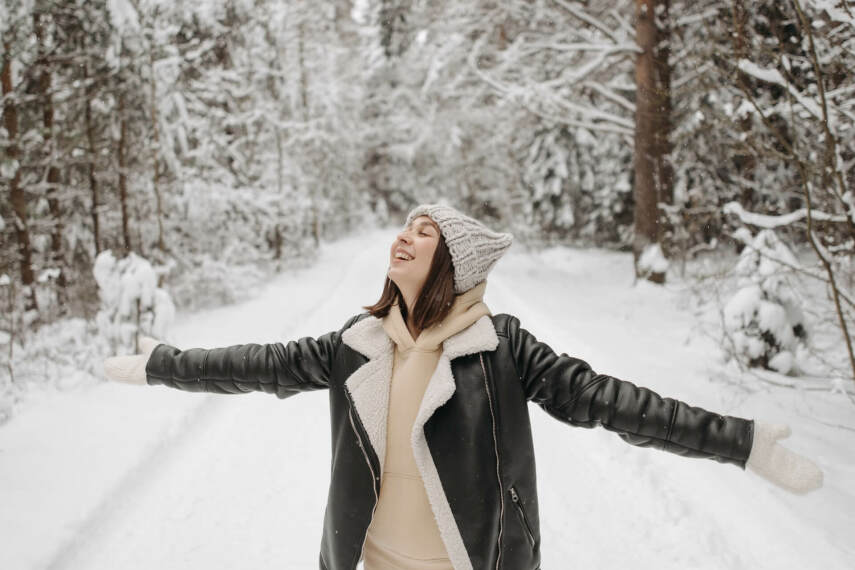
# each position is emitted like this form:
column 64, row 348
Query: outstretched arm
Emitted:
column 569, row 390
column 280, row 369
column 276, row 368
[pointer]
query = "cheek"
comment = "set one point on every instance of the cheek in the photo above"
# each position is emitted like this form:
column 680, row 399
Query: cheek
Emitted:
column 427, row 258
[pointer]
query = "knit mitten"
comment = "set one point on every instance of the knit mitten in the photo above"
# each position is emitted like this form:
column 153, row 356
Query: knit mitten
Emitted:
column 131, row 369
column 786, row 469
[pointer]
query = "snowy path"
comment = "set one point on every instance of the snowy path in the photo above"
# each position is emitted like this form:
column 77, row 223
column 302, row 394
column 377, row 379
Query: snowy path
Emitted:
column 240, row 481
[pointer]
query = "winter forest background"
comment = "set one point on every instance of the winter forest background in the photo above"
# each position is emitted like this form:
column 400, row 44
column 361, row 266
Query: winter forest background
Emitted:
column 204, row 146
column 169, row 156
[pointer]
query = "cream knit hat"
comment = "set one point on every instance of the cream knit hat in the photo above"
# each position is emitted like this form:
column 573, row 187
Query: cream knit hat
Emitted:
column 474, row 247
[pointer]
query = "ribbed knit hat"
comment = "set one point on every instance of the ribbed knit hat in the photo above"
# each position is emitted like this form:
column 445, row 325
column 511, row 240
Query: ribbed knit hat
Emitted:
column 474, row 247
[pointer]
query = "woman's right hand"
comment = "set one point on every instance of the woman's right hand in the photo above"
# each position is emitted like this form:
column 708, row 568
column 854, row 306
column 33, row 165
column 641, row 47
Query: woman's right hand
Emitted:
column 131, row 369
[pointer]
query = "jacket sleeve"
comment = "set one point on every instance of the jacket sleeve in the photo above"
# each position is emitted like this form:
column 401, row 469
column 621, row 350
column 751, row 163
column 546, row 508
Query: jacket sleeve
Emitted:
column 280, row 369
column 570, row 391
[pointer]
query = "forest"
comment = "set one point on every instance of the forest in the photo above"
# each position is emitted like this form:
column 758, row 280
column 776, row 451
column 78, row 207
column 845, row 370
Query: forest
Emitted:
column 210, row 145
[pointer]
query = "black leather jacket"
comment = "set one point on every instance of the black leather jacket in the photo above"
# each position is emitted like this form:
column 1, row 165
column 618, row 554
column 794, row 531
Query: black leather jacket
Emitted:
column 479, row 439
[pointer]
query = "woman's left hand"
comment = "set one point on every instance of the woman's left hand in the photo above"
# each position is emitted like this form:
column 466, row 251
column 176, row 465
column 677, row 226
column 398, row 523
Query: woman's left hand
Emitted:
column 131, row 369
column 774, row 462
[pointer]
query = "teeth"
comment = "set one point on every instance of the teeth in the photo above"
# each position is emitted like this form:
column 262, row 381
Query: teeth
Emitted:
column 403, row 256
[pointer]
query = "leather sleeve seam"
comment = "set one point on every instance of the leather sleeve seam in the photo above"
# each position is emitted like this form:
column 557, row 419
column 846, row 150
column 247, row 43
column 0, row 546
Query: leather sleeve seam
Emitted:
column 671, row 422
column 504, row 331
column 516, row 367
column 204, row 365
column 681, row 446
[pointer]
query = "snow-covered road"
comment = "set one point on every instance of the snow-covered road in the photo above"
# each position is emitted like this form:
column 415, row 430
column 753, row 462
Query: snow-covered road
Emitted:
column 134, row 477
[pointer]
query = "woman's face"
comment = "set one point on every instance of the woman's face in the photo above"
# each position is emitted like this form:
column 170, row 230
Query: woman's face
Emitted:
column 418, row 242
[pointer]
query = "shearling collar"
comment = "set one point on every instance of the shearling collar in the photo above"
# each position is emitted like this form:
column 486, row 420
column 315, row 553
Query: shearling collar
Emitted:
column 369, row 384
column 368, row 338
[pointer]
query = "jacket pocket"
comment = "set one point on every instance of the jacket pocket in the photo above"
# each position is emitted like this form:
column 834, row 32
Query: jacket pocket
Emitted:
column 521, row 514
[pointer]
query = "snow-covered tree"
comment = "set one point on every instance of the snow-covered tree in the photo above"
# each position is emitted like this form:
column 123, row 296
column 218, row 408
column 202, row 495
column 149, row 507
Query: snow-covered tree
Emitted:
column 763, row 318
column 131, row 302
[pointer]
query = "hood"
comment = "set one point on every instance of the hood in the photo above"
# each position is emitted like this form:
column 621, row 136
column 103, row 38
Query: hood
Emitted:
column 467, row 308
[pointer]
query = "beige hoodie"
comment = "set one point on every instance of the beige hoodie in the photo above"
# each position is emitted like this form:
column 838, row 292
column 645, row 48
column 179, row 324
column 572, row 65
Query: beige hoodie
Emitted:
column 403, row 534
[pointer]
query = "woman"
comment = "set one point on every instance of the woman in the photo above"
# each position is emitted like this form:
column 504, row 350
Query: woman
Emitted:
column 432, row 457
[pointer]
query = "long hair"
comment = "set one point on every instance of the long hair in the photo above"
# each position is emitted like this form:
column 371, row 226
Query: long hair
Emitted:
column 435, row 299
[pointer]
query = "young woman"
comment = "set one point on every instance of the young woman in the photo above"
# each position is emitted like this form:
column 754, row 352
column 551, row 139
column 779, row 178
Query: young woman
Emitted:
column 432, row 457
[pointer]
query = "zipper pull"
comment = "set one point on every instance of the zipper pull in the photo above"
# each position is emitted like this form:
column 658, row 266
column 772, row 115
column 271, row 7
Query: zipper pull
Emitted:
column 514, row 497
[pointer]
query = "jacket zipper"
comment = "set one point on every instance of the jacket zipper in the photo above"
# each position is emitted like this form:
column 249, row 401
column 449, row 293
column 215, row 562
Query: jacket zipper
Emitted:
column 516, row 499
column 373, row 476
column 498, row 473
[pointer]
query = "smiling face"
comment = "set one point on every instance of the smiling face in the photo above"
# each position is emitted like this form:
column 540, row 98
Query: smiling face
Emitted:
column 417, row 242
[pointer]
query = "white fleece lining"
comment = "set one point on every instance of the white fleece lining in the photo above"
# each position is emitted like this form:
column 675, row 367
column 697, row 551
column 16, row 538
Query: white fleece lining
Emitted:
column 438, row 392
column 369, row 387
column 369, row 384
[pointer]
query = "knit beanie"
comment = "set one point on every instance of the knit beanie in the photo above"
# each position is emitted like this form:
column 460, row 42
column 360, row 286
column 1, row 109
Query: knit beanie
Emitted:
column 474, row 247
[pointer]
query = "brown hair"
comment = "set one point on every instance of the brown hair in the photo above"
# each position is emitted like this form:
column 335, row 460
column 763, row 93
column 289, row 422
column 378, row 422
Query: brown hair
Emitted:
column 435, row 299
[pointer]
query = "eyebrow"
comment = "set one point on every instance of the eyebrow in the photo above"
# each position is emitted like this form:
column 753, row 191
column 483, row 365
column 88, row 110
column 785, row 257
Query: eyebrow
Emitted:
column 420, row 224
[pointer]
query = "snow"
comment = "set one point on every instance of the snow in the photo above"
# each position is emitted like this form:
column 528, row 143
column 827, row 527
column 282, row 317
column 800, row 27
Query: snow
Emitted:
column 652, row 260
column 769, row 222
column 48, row 274
column 848, row 198
column 835, row 13
column 124, row 286
column 123, row 16
column 124, row 281
column 117, row 476
column 8, row 168
column 774, row 76
column 762, row 315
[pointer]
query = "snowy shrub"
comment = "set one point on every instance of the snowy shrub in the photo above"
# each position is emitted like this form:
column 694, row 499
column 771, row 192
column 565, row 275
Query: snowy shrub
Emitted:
column 652, row 260
column 763, row 318
column 131, row 301
column 61, row 355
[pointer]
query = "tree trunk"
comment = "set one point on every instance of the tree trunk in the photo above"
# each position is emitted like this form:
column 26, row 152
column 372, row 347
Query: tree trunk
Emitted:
column 16, row 193
column 662, row 56
column 304, row 81
column 156, row 151
column 304, row 107
column 90, row 140
column 123, row 177
column 648, row 156
column 743, row 159
column 57, row 254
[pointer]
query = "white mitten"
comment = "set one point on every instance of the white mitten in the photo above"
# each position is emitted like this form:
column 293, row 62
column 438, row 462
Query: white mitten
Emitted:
column 131, row 369
column 786, row 469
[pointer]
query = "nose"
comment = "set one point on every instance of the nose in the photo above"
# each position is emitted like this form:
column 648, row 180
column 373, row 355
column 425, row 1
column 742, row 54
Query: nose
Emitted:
column 404, row 236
